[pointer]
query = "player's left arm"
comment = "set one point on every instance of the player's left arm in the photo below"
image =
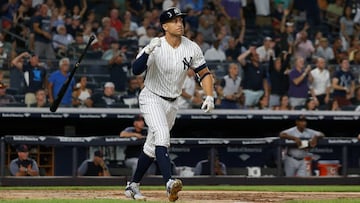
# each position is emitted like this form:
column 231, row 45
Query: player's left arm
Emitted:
column 206, row 81
column 314, row 140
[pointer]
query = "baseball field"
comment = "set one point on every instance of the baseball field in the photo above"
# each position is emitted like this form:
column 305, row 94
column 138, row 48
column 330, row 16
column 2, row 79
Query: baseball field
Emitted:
column 193, row 194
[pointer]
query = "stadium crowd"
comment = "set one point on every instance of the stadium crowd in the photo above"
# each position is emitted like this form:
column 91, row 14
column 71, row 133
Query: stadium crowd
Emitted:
column 264, row 54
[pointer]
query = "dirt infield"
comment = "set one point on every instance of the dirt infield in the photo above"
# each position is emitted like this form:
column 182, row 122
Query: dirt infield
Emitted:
column 185, row 196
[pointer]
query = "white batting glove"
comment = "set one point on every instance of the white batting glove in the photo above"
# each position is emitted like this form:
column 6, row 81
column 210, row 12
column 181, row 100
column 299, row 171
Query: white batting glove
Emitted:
column 155, row 42
column 208, row 104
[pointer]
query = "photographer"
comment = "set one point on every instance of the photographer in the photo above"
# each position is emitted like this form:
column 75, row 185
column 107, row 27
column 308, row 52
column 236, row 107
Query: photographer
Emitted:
column 34, row 75
column 23, row 165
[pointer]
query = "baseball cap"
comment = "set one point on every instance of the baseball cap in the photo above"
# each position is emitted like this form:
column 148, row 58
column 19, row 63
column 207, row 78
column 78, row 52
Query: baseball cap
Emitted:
column 98, row 153
column 267, row 38
column 22, row 148
column 170, row 13
column 109, row 84
column 138, row 117
column 2, row 85
column 301, row 118
column 289, row 24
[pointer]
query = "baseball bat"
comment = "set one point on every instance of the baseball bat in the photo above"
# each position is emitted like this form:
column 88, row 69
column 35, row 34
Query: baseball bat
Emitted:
column 66, row 84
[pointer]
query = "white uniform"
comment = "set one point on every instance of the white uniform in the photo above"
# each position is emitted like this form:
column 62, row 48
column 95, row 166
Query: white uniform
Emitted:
column 165, row 76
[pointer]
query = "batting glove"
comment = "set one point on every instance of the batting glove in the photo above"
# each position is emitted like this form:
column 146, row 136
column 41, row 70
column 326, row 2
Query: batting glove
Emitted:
column 155, row 42
column 208, row 104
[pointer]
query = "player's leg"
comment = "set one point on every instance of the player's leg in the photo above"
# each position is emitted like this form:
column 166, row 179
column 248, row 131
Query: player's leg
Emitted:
column 173, row 186
column 290, row 166
column 301, row 168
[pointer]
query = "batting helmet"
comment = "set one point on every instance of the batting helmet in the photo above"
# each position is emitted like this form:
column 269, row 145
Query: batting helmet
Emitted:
column 170, row 13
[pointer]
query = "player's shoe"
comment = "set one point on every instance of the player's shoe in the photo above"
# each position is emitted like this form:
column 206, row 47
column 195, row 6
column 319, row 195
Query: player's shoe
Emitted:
column 132, row 190
column 173, row 186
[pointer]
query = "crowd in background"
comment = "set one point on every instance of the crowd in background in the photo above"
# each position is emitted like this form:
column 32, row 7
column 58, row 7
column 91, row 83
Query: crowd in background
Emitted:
column 264, row 54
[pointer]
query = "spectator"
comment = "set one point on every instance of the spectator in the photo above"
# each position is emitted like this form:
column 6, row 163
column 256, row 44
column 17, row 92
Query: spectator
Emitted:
column 304, row 138
column 355, row 101
column 119, row 70
column 284, row 104
column 61, row 41
column 263, row 13
column 35, row 76
column 303, row 46
column 348, row 28
column 254, row 81
column 324, row 51
column 203, row 167
column 189, row 95
column 298, row 86
column 231, row 88
column 170, row 3
column 266, row 51
column 41, row 99
column 106, row 25
column 75, row 26
column 199, row 39
column 215, row 53
column 233, row 10
column 105, row 99
column 343, row 84
column 5, row 99
column 333, row 105
column 43, row 36
column 79, row 12
column 263, row 103
column 132, row 92
column 278, row 77
column 115, row 21
column 57, row 79
column 137, row 131
column 277, row 15
column 320, row 87
column 145, row 23
column 145, row 39
column 310, row 105
column 23, row 165
column 206, row 25
column 3, row 57
column 287, row 34
column 95, row 166
column 81, row 93
column 129, row 28
column 112, row 52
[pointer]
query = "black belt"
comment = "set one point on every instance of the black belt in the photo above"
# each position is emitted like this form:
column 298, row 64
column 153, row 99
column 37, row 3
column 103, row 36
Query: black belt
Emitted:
column 297, row 158
column 168, row 98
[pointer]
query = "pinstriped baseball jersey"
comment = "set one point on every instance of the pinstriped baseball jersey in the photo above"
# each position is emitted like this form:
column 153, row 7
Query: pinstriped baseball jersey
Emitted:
column 167, row 66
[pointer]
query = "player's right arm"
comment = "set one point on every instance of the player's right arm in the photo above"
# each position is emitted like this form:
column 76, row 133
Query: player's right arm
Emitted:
column 285, row 135
column 140, row 63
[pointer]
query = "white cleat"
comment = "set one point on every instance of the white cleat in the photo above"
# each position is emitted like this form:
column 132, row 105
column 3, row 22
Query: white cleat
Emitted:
column 173, row 186
column 132, row 191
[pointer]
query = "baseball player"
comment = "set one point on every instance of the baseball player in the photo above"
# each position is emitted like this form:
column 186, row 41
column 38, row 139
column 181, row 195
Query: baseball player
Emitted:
column 166, row 61
column 305, row 138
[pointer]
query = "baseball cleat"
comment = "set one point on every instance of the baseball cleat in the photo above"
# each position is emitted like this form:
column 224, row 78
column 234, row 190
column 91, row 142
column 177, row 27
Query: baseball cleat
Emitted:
column 132, row 191
column 173, row 186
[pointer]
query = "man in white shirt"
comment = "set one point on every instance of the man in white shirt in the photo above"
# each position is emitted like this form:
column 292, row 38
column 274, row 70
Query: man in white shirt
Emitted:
column 266, row 50
column 215, row 53
column 320, row 83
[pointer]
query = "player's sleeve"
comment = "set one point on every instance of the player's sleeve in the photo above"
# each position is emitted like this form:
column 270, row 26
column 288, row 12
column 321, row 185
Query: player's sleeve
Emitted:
column 139, row 65
column 13, row 167
column 314, row 132
column 198, row 168
column 199, row 62
column 82, row 168
column 34, row 166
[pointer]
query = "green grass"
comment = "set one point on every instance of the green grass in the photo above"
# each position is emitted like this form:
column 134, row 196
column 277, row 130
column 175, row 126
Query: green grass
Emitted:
column 275, row 188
